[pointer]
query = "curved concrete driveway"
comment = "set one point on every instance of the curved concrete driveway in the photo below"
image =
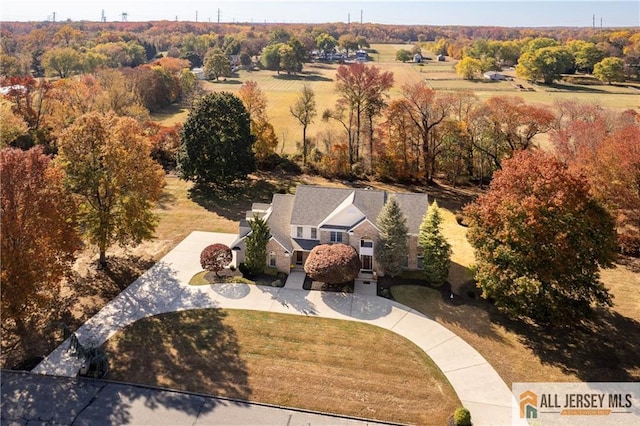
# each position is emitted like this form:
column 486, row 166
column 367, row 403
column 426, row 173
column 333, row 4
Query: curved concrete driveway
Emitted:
column 164, row 288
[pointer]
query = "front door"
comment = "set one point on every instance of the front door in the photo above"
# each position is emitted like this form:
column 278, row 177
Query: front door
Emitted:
column 299, row 257
column 367, row 262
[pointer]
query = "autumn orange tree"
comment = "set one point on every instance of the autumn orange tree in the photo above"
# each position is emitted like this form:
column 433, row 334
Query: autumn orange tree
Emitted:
column 108, row 164
column 398, row 146
column 540, row 240
column 255, row 102
column 504, row 125
column 362, row 89
column 426, row 109
column 606, row 149
column 39, row 238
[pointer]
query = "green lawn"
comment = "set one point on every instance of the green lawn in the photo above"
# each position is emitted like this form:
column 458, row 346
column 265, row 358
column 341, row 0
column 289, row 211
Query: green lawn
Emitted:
column 320, row 364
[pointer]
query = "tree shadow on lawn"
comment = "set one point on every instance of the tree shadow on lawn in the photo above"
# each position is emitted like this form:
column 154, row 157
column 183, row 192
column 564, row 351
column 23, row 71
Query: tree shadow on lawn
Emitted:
column 309, row 76
column 189, row 350
column 463, row 311
column 559, row 87
column 233, row 201
column 605, row 348
column 166, row 200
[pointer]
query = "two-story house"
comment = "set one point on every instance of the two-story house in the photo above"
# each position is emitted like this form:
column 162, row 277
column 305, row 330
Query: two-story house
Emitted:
column 321, row 215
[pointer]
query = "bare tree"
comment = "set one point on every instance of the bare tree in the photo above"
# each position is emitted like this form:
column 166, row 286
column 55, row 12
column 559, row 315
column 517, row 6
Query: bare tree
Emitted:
column 304, row 110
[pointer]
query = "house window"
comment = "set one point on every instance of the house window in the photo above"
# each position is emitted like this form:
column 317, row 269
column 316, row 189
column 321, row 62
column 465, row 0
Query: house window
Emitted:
column 366, row 243
column 272, row 259
column 405, row 262
column 299, row 232
column 336, row 237
column 420, row 262
column 314, row 233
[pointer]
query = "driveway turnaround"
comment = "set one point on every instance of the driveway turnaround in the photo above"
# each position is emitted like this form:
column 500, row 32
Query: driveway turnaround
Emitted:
column 165, row 288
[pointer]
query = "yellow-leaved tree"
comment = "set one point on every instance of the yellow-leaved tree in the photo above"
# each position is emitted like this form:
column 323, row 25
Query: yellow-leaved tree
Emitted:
column 108, row 165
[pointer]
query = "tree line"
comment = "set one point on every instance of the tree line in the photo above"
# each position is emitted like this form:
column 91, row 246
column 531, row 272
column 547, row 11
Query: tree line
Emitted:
column 63, row 49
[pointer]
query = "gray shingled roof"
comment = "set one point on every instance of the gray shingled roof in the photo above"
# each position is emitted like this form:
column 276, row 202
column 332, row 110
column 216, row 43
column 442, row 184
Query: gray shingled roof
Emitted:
column 312, row 204
column 414, row 206
column 280, row 219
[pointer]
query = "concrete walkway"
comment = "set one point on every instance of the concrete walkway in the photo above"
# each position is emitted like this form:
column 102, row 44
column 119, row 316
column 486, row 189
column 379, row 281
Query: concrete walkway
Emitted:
column 164, row 288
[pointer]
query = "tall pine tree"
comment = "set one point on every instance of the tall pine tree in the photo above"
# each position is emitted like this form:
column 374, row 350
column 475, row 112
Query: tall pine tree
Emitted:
column 392, row 247
column 256, row 245
column 436, row 250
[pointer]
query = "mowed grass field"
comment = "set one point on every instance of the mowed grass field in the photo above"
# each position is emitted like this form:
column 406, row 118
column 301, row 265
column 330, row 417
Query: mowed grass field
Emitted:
column 605, row 351
column 313, row 363
column 282, row 91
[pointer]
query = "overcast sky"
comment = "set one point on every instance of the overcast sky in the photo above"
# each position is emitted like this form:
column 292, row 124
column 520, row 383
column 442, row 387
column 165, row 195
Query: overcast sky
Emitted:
column 507, row 13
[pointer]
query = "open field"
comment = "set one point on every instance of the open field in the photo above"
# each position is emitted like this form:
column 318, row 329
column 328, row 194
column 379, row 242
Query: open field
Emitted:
column 282, row 90
column 314, row 363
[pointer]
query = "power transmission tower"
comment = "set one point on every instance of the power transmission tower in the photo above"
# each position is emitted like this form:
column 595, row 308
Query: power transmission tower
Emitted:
column 103, row 18
column 218, row 15
column 54, row 17
column 124, row 16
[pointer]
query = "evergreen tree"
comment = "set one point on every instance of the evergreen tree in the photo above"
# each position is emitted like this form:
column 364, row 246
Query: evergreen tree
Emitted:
column 436, row 250
column 217, row 145
column 392, row 247
column 256, row 245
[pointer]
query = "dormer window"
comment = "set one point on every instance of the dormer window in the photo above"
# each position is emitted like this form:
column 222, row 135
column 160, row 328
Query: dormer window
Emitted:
column 314, row 233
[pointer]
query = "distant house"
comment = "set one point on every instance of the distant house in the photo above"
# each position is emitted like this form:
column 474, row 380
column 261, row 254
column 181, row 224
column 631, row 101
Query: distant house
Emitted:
column 199, row 73
column 441, row 58
column 417, row 58
column 495, row 76
column 362, row 56
column 319, row 215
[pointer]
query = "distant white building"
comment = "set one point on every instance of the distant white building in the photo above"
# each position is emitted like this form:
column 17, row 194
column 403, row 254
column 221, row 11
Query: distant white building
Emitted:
column 417, row 58
column 199, row 72
column 493, row 75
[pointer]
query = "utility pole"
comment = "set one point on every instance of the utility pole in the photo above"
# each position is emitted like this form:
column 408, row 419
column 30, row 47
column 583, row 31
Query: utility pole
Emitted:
column 196, row 16
column 218, row 15
column 54, row 17
column 360, row 16
column 103, row 18
column 349, row 18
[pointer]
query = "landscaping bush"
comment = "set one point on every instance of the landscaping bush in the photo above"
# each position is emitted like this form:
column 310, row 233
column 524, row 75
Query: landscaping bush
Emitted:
column 412, row 275
column 333, row 263
column 215, row 258
column 270, row 270
column 462, row 417
column 244, row 270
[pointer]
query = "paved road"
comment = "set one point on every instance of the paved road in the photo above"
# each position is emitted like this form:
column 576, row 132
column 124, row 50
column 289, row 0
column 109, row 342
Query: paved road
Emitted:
column 34, row 399
column 164, row 288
